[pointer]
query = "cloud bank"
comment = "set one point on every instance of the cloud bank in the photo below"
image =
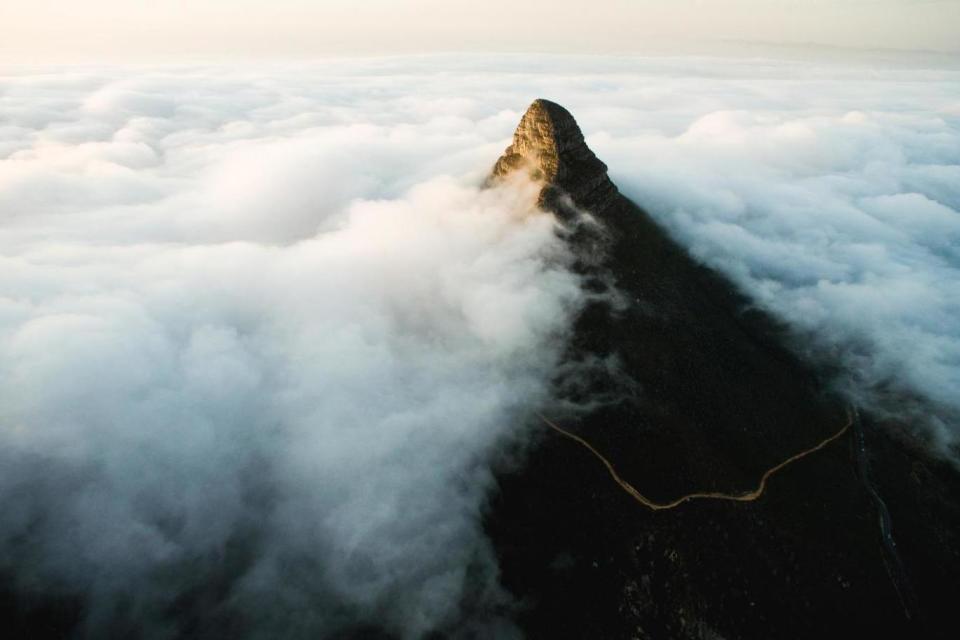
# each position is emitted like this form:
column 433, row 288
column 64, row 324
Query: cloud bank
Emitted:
column 262, row 335
column 254, row 376
column 840, row 215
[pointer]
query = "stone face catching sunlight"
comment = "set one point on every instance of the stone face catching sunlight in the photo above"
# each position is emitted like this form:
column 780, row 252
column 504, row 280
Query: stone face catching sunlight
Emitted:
column 549, row 145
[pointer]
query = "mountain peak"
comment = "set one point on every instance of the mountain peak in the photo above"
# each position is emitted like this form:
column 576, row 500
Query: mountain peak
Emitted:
column 550, row 147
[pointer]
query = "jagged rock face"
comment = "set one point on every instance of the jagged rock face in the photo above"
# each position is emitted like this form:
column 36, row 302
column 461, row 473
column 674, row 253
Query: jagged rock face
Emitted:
column 549, row 145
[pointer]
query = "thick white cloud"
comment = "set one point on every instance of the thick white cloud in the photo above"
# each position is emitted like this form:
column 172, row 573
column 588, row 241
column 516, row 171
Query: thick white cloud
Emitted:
column 283, row 342
column 840, row 216
column 261, row 333
column 338, row 397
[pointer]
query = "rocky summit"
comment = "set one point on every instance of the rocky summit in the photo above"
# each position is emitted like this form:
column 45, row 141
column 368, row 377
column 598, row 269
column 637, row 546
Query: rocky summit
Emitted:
column 549, row 146
column 684, row 388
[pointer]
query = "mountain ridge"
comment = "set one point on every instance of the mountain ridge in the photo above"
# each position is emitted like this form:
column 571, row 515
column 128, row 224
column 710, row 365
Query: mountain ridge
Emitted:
column 699, row 391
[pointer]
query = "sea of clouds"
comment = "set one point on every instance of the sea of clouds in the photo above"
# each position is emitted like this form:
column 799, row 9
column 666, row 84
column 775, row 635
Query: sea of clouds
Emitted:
column 262, row 334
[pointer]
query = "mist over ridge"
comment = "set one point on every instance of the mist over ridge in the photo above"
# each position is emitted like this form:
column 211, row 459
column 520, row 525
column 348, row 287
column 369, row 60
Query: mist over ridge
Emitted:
column 286, row 285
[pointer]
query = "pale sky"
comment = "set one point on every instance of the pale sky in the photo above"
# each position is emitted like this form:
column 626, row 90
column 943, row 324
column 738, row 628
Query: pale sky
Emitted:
column 111, row 30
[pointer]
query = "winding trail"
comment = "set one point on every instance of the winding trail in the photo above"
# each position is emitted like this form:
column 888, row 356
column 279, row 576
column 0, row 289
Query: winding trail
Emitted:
column 891, row 557
column 749, row 496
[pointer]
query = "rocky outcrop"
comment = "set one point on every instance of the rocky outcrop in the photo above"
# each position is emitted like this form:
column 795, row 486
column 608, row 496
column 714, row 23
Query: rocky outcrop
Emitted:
column 550, row 147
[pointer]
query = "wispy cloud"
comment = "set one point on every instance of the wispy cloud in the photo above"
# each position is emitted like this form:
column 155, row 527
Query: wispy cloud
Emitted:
column 261, row 333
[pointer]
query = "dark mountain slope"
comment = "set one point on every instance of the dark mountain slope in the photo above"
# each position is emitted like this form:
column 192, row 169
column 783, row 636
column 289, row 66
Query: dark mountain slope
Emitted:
column 700, row 393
